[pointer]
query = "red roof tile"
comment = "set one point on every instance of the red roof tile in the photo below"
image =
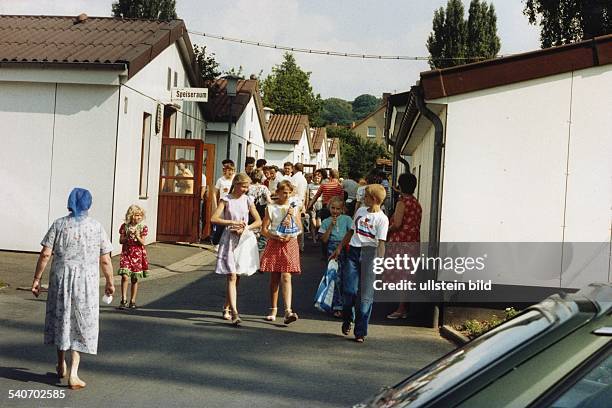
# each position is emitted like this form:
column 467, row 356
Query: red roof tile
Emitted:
column 319, row 136
column 333, row 147
column 101, row 41
column 287, row 128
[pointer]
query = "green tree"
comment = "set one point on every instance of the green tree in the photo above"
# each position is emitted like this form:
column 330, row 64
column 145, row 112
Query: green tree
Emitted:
column 209, row 67
column 356, row 153
column 145, row 9
column 287, row 90
column 238, row 72
column 336, row 110
column 567, row 21
column 363, row 105
column 482, row 41
column 455, row 41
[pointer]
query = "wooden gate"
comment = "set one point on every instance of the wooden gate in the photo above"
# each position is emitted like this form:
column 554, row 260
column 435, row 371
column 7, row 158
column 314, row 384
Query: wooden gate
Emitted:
column 180, row 183
column 208, row 170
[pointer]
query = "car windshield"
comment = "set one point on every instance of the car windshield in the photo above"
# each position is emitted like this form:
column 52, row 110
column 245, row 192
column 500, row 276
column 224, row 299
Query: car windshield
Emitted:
column 460, row 364
column 591, row 391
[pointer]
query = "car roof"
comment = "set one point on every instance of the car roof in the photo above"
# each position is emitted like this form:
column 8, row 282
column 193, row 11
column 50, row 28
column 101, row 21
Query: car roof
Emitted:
column 502, row 347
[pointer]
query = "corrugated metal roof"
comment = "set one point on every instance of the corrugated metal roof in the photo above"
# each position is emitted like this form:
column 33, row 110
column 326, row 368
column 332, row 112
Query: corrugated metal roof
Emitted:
column 319, row 136
column 103, row 41
column 287, row 128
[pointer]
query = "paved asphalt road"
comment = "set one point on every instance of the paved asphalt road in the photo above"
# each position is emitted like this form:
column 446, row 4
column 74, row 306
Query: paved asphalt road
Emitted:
column 175, row 351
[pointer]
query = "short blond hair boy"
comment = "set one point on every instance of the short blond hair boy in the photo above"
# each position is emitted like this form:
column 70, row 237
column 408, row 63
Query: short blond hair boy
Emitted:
column 377, row 192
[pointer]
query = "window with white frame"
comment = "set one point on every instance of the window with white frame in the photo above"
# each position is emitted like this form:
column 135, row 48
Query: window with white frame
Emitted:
column 371, row 131
column 145, row 148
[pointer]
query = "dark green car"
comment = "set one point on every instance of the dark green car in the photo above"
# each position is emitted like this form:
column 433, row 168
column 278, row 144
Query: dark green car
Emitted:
column 557, row 353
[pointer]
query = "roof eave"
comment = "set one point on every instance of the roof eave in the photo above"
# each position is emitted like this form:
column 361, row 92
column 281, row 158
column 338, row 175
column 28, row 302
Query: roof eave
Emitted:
column 517, row 68
column 109, row 66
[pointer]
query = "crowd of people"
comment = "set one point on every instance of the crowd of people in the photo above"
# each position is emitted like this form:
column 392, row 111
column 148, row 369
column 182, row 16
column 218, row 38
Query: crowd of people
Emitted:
column 351, row 219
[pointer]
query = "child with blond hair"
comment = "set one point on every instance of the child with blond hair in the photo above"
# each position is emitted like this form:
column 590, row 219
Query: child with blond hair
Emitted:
column 366, row 241
column 233, row 214
column 133, row 263
column 333, row 230
column 281, row 257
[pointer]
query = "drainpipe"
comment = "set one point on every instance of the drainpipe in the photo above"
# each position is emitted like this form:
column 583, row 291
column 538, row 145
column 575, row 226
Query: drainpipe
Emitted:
column 397, row 147
column 434, row 221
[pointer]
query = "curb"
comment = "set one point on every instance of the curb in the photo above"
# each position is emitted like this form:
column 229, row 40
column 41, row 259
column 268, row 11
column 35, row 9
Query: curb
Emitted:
column 193, row 263
column 453, row 335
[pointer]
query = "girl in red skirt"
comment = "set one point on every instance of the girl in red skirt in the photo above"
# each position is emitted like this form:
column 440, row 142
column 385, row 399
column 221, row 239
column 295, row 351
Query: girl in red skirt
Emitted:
column 281, row 257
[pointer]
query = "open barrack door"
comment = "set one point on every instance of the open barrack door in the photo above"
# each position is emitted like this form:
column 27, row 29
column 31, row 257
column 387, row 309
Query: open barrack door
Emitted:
column 180, row 184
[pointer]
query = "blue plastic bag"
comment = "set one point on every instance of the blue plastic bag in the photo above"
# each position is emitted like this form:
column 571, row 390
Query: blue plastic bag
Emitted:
column 328, row 297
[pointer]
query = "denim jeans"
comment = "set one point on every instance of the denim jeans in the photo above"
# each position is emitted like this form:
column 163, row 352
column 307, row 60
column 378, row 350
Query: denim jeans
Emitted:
column 358, row 292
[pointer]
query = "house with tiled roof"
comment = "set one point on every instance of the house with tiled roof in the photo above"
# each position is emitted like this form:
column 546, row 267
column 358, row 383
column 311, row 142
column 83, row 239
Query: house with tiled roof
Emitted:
column 318, row 155
column 514, row 150
column 289, row 140
column 249, row 128
column 86, row 101
column 372, row 127
column 333, row 153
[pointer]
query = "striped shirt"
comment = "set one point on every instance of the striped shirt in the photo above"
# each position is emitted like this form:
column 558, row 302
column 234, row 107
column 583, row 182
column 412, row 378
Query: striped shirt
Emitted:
column 329, row 190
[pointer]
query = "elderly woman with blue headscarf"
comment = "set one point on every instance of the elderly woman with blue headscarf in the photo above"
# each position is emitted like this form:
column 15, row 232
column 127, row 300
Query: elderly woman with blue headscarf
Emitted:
column 80, row 248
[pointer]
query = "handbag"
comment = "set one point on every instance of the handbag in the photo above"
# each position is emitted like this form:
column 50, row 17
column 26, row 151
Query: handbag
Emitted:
column 246, row 254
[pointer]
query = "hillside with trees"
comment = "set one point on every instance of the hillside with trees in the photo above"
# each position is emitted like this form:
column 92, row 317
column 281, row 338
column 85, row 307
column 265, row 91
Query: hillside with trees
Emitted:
column 336, row 110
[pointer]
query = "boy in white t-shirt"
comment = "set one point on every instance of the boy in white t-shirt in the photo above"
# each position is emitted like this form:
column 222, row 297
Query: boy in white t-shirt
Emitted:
column 224, row 183
column 366, row 241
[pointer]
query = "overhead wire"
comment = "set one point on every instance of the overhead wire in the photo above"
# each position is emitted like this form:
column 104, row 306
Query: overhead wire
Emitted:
column 158, row 101
column 328, row 52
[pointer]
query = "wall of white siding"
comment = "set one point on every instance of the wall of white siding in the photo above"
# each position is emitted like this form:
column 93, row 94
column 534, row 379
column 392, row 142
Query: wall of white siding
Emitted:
column 280, row 156
column 534, row 167
column 301, row 151
column 48, row 154
column 57, row 137
column 247, row 129
column 26, row 120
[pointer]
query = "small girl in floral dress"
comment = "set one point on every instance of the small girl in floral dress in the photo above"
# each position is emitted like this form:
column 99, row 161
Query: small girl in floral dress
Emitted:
column 133, row 263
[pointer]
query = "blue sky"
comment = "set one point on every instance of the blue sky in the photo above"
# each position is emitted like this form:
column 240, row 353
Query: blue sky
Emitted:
column 390, row 27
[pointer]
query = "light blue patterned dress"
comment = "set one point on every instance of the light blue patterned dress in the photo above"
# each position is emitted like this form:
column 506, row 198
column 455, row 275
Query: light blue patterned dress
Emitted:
column 71, row 321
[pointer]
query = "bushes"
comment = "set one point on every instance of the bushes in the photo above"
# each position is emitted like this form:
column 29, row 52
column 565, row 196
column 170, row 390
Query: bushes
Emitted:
column 356, row 153
column 474, row 328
